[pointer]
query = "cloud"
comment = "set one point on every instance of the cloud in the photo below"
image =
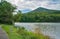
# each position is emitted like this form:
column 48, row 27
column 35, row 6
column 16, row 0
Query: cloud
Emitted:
column 13, row 1
column 33, row 4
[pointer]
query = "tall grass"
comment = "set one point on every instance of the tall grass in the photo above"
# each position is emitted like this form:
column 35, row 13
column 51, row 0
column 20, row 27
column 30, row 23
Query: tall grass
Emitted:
column 20, row 33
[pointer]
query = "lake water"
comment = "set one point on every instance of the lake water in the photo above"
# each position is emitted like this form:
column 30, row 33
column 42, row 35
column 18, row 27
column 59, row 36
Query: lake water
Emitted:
column 51, row 29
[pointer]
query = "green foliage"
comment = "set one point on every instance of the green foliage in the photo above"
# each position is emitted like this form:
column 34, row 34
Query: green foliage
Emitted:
column 6, row 10
column 18, row 16
column 39, row 17
column 22, row 33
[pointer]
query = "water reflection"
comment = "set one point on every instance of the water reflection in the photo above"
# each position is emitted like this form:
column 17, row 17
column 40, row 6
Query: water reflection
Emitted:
column 51, row 29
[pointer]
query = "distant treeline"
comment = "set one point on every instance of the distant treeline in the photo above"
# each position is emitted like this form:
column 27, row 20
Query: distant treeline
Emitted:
column 37, row 17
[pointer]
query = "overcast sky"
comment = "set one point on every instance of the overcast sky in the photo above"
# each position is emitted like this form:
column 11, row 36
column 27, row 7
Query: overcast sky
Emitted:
column 27, row 5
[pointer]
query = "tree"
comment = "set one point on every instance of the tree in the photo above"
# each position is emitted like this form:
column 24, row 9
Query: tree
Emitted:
column 6, row 10
column 18, row 16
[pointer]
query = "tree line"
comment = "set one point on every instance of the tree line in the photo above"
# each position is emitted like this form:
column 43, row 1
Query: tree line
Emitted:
column 38, row 17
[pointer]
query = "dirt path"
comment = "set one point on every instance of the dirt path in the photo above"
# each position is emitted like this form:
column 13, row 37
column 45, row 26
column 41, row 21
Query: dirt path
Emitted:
column 3, row 34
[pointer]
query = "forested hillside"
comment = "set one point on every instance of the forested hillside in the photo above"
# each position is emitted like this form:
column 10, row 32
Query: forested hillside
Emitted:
column 39, row 15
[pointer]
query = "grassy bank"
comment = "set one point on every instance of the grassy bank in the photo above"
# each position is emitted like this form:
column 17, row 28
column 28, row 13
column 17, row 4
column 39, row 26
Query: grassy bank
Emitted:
column 20, row 33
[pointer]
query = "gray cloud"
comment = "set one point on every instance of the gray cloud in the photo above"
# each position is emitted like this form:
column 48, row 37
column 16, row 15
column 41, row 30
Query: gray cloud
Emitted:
column 33, row 4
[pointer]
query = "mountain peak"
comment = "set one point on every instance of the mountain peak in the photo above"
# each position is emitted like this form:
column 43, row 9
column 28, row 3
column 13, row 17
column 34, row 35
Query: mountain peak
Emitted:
column 42, row 10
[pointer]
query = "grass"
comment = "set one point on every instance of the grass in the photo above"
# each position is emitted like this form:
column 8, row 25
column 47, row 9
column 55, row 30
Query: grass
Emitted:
column 11, row 31
column 20, row 33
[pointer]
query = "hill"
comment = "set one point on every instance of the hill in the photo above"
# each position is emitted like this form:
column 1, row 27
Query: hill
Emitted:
column 41, row 15
column 41, row 9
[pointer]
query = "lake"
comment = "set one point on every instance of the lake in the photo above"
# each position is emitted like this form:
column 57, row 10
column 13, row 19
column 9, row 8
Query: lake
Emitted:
column 51, row 29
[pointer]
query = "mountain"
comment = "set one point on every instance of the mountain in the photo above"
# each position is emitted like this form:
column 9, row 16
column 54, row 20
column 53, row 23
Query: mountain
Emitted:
column 41, row 10
column 41, row 15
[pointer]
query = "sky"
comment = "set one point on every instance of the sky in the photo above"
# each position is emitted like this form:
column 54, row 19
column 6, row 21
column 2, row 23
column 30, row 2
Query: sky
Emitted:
column 28, row 5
